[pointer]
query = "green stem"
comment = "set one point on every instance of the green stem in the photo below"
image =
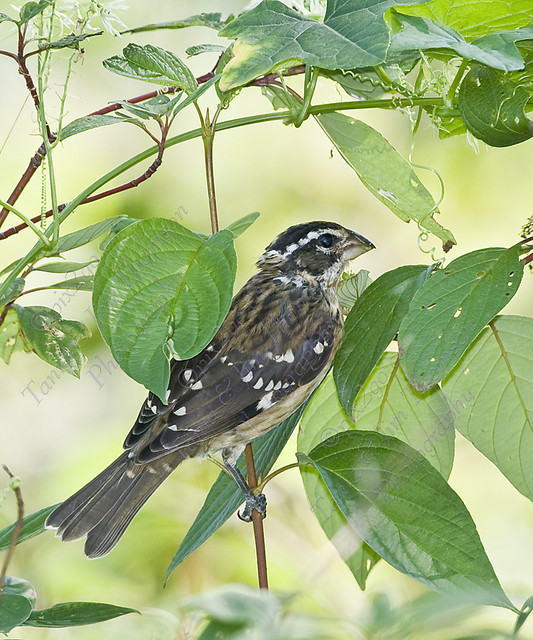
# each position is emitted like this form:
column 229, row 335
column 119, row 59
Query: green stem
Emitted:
column 311, row 76
column 197, row 133
column 26, row 220
column 455, row 82
column 287, row 467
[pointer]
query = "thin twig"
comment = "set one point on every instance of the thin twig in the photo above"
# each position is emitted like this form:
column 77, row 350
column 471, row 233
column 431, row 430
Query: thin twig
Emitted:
column 257, row 520
column 16, row 530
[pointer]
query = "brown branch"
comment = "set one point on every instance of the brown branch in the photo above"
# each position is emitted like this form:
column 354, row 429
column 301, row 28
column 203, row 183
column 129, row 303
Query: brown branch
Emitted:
column 257, row 520
column 16, row 531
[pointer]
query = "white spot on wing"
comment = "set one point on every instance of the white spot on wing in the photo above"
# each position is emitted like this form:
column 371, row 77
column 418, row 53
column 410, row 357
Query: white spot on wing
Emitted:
column 180, row 412
column 187, row 374
column 172, row 427
column 223, row 359
column 265, row 402
column 269, row 386
column 197, row 385
column 167, row 396
column 258, row 384
column 248, row 377
column 288, row 356
column 277, row 386
column 154, row 409
column 318, row 348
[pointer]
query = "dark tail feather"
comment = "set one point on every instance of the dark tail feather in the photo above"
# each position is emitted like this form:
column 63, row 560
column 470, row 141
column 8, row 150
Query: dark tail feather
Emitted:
column 103, row 508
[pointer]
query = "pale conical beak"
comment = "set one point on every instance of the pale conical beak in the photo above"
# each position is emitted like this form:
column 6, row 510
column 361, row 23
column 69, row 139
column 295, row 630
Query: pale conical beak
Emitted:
column 356, row 245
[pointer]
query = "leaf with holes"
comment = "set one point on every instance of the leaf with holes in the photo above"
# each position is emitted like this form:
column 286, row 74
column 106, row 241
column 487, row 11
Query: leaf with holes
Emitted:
column 384, row 172
column 162, row 289
column 451, row 309
column 11, row 339
column 495, row 380
column 353, row 35
column 53, row 339
column 407, row 513
column 371, row 325
column 492, row 107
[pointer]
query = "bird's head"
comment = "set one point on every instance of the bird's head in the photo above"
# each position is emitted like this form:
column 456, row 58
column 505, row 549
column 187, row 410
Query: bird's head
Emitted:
column 314, row 250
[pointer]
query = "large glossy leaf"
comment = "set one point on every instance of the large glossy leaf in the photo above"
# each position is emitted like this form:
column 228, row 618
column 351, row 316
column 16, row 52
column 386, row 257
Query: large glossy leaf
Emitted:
column 386, row 174
column 404, row 509
column 354, row 34
column 473, row 18
column 491, row 393
column 371, row 325
column 225, row 497
column 492, row 107
column 75, row 614
column 497, row 51
column 451, row 309
column 53, row 339
column 161, row 288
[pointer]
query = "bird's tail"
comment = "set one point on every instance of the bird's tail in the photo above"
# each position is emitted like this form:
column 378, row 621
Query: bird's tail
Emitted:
column 103, row 508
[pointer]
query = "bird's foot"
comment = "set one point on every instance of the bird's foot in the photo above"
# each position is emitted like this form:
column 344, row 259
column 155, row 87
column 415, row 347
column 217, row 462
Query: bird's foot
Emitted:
column 257, row 502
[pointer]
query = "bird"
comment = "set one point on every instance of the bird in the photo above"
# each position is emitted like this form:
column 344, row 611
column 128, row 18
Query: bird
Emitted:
column 273, row 349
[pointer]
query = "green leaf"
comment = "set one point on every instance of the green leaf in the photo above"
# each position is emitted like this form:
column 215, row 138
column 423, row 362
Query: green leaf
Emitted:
column 197, row 49
column 91, row 122
column 451, row 309
column 157, row 106
column 272, row 35
column 404, row 509
column 4, row 17
column 10, row 338
column 12, row 292
column 79, row 283
column 32, row 9
column 71, row 41
column 65, row 267
column 498, row 51
column 494, row 380
column 371, row 325
column 53, row 339
column 161, row 287
column 211, row 20
column 83, row 236
column 473, row 18
column 241, row 225
column 386, row 174
column 32, row 526
column 225, row 497
column 492, row 107
column 16, row 603
column 152, row 64
column 75, row 614
column 351, row 287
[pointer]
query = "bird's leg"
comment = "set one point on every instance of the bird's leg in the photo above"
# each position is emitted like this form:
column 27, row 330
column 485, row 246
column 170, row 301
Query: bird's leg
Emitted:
column 257, row 502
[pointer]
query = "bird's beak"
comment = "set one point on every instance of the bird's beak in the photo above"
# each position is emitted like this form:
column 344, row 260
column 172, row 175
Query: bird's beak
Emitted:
column 356, row 245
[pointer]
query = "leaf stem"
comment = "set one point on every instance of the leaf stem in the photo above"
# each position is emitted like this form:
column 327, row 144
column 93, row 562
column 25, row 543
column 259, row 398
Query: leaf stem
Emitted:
column 15, row 485
column 27, row 221
column 287, row 467
column 455, row 82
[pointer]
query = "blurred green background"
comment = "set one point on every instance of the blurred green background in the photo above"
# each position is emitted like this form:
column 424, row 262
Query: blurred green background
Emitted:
column 58, row 441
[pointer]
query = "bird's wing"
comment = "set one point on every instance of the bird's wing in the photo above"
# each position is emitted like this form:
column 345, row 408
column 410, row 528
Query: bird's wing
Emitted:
column 214, row 393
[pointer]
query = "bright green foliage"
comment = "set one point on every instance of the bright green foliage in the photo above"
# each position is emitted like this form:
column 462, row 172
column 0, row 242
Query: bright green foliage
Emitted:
column 450, row 310
column 404, row 510
column 496, row 376
column 162, row 289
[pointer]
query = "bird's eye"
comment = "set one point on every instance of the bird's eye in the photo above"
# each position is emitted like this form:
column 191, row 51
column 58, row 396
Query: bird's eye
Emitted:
column 325, row 240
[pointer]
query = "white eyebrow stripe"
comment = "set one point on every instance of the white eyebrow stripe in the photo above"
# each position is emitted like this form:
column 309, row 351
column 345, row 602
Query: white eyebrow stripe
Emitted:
column 312, row 235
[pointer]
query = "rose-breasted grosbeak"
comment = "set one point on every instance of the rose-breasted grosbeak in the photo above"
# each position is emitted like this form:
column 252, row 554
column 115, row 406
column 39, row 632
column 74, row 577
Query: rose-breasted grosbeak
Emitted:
column 273, row 349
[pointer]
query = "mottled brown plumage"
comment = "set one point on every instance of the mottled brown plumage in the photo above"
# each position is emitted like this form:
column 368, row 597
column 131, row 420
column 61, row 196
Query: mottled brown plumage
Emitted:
column 273, row 349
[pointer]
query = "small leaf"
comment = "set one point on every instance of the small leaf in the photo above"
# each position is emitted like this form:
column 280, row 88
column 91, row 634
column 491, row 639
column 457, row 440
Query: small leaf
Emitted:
column 492, row 107
column 404, row 509
column 241, row 225
column 66, row 267
column 160, row 286
column 451, row 309
column 12, row 292
column 32, row 9
column 351, row 287
column 197, row 49
column 11, row 339
column 384, row 172
column 53, row 339
column 492, row 393
column 211, row 20
column 83, row 236
column 91, row 122
column 79, row 283
column 371, row 325
column 75, row 614
column 157, row 106
column 4, row 17
column 71, row 41
column 32, row 526
column 225, row 497
column 16, row 603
